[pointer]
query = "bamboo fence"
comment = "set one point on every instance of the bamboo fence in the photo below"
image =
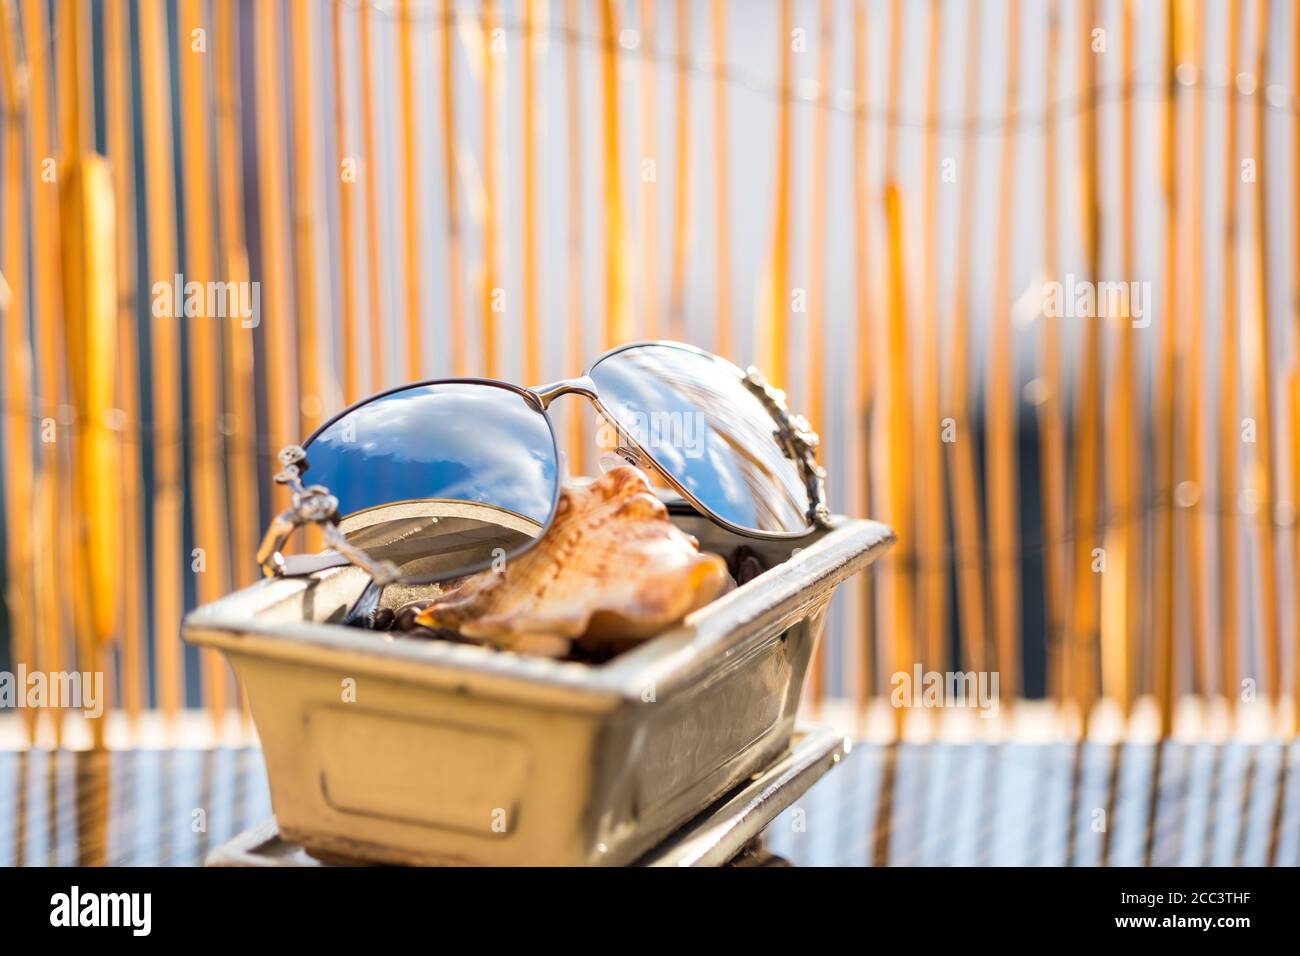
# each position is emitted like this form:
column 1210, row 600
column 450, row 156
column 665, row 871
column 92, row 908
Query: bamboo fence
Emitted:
column 1031, row 268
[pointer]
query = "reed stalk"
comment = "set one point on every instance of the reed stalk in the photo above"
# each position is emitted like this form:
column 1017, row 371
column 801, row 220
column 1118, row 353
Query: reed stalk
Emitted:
column 963, row 472
column 1086, row 497
column 410, row 205
column 168, row 559
column 19, row 460
column 722, row 341
column 931, row 512
column 682, row 175
column 1230, row 424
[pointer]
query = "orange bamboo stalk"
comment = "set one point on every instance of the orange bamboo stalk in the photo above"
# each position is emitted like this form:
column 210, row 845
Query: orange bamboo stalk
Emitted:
column 897, row 580
column 1123, row 549
column 106, row 519
column 19, row 461
column 73, row 83
column 577, row 447
column 617, row 316
column 165, row 357
column 411, row 189
column 87, row 275
column 303, row 199
column 532, row 340
column 865, row 383
column 61, row 26
column 281, row 378
column 778, row 294
column 66, row 84
column 205, row 340
column 721, row 182
column 1294, row 406
column 1085, row 600
column 649, row 186
column 490, row 241
column 1166, row 405
column 455, row 295
column 241, row 446
column 347, row 213
column 88, row 272
column 931, row 511
column 814, row 374
column 682, row 179
column 963, row 472
column 119, row 102
column 894, row 87
column 1194, row 521
column 1000, row 403
column 1262, row 379
column 1295, row 384
column 1229, row 418
column 46, row 300
column 374, row 297
column 1051, row 416
column 1293, row 395
column 900, row 445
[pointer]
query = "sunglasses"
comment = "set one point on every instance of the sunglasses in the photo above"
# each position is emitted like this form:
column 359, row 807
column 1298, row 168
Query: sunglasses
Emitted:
column 414, row 485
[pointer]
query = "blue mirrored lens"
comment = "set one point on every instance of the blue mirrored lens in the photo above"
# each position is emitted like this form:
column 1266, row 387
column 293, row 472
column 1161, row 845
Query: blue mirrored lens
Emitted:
column 451, row 441
column 693, row 413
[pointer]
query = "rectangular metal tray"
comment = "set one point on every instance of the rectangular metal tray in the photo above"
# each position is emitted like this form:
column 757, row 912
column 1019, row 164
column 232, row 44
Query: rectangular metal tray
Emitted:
column 716, row 837
column 391, row 749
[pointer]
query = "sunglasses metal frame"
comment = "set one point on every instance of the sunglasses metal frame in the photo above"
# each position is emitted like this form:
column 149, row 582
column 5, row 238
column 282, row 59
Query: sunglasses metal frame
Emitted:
column 313, row 504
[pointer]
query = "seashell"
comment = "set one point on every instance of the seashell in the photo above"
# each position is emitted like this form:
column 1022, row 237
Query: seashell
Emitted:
column 611, row 570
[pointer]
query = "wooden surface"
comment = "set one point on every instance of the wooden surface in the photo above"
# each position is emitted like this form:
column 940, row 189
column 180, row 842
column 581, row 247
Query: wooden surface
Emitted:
column 932, row 804
column 128, row 807
column 1049, row 805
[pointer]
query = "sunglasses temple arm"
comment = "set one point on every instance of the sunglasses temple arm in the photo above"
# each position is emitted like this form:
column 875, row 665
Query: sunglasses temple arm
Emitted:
column 312, row 504
column 273, row 563
column 269, row 556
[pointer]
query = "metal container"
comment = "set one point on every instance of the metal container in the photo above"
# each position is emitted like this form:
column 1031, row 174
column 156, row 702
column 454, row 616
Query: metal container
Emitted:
column 392, row 749
column 728, row 833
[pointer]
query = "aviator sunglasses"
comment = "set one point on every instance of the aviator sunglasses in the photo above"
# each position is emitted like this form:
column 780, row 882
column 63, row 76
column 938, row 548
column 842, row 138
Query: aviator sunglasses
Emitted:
column 414, row 485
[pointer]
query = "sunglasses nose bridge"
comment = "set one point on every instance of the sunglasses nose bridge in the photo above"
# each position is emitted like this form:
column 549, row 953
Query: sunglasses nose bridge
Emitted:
column 582, row 385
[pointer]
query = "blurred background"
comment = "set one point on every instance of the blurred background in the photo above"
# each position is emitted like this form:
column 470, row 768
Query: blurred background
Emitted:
column 1029, row 268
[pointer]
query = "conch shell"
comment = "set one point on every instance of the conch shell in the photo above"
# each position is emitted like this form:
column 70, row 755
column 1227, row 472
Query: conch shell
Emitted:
column 611, row 571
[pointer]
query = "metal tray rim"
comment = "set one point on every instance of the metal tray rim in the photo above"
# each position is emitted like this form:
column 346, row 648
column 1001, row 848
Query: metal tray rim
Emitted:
column 747, row 615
